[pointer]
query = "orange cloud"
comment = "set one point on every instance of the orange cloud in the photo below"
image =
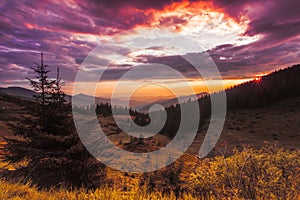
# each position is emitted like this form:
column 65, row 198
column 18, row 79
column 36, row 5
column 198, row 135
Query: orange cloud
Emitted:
column 184, row 10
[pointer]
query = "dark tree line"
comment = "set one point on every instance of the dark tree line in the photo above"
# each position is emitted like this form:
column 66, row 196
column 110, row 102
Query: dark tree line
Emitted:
column 142, row 119
column 105, row 110
column 49, row 144
column 266, row 90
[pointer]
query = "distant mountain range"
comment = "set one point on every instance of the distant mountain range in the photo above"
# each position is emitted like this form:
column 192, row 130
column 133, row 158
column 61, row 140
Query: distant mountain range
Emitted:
column 264, row 91
column 28, row 94
column 81, row 99
column 171, row 101
column 18, row 92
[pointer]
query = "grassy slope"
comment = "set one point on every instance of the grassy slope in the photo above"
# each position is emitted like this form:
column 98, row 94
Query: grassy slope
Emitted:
column 252, row 127
column 269, row 173
column 277, row 123
column 26, row 192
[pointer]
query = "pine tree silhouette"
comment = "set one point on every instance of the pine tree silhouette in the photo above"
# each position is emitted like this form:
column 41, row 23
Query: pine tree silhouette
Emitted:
column 49, row 143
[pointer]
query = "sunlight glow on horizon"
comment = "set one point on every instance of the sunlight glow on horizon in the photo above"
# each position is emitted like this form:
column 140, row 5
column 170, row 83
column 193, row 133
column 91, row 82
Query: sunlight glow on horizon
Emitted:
column 105, row 88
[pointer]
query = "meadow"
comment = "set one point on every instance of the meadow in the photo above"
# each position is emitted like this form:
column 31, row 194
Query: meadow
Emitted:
column 268, row 173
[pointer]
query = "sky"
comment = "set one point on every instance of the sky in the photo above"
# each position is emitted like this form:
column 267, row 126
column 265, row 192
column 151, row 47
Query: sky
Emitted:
column 244, row 39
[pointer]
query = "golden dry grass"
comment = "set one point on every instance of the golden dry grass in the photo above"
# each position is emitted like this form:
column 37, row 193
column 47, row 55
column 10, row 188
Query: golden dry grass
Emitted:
column 16, row 191
column 269, row 173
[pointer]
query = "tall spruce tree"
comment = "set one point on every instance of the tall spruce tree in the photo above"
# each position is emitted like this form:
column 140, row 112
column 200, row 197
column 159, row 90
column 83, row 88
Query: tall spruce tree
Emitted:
column 48, row 141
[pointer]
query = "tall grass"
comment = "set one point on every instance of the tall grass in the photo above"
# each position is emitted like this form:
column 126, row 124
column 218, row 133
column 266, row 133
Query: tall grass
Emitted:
column 268, row 173
column 18, row 191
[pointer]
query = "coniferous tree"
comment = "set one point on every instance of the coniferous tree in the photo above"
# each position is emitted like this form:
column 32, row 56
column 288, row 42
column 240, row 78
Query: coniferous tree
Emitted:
column 48, row 140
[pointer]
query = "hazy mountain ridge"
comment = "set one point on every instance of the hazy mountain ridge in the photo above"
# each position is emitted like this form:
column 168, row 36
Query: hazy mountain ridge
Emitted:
column 28, row 94
column 268, row 89
column 172, row 101
column 18, row 92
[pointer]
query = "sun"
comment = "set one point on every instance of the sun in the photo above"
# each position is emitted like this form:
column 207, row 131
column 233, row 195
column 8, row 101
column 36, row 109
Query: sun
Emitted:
column 257, row 79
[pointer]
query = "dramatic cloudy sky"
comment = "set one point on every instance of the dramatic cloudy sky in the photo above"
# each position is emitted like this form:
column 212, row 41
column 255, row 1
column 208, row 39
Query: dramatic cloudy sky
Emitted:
column 244, row 38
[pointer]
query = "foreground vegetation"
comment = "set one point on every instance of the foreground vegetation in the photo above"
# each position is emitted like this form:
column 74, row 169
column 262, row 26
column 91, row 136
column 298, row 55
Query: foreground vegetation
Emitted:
column 268, row 173
column 25, row 192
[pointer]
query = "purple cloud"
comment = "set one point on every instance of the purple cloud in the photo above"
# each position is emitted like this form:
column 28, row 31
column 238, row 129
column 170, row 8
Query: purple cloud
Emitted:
column 29, row 27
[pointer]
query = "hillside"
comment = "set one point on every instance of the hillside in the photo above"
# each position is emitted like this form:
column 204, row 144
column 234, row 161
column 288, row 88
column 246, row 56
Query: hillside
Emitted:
column 11, row 109
column 275, row 124
column 255, row 124
column 265, row 90
column 171, row 101
column 258, row 111
column 261, row 92
column 18, row 92
column 269, row 173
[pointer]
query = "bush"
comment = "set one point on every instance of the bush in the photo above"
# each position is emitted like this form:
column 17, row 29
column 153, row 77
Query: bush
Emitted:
column 269, row 173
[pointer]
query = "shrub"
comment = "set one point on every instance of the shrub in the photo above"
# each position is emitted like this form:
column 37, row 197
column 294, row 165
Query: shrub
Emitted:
column 269, row 173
